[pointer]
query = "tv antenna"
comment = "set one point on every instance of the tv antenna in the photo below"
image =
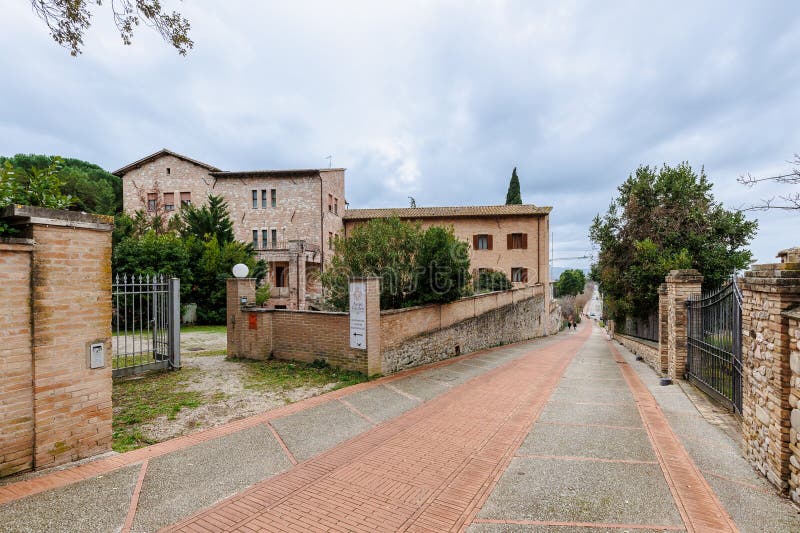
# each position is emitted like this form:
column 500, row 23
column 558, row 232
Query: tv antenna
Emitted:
column 330, row 160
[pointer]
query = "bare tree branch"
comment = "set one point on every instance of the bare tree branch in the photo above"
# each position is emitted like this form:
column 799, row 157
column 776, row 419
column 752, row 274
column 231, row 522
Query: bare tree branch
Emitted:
column 789, row 202
column 68, row 20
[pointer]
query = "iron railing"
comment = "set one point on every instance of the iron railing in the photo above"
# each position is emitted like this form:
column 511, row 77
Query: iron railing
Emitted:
column 714, row 343
column 145, row 324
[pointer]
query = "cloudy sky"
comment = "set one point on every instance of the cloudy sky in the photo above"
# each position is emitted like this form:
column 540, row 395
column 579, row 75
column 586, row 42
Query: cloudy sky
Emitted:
column 435, row 100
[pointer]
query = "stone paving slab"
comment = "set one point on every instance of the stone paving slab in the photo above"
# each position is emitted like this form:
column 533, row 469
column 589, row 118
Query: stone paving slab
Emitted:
column 311, row 432
column 607, row 415
column 582, row 491
column 576, row 394
column 420, row 387
column 380, row 404
column 479, row 527
column 97, row 504
column 581, row 441
column 181, row 483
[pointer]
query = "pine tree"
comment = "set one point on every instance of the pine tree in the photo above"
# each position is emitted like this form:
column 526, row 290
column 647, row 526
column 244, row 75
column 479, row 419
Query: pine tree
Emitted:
column 513, row 196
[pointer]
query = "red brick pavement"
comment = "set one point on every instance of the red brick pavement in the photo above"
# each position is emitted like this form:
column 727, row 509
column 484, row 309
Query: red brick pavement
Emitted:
column 429, row 469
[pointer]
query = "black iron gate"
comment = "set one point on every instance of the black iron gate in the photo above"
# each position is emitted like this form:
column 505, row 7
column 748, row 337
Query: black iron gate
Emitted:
column 714, row 338
column 145, row 324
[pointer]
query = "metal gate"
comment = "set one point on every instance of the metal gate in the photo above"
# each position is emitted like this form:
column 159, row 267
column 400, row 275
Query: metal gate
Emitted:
column 714, row 359
column 145, row 324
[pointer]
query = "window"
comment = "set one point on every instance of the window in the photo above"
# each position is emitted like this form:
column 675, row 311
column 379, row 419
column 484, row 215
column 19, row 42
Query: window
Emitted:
column 274, row 238
column 186, row 198
column 519, row 275
column 255, row 198
column 336, row 206
column 482, row 242
column 167, row 171
column 274, row 197
column 330, row 240
column 263, row 198
column 330, row 203
column 152, row 201
column 169, row 201
column 280, row 276
column 265, row 238
column 255, row 238
column 517, row 241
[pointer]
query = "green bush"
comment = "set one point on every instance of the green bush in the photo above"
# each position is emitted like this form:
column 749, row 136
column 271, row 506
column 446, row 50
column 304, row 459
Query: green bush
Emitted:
column 262, row 294
column 493, row 280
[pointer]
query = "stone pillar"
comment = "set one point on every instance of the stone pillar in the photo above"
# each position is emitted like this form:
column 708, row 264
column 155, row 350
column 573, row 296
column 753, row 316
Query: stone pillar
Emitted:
column 768, row 291
column 236, row 319
column 794, row 402
column 297, row 275
column 374, row 357
column 663, row 329
column 680, row 285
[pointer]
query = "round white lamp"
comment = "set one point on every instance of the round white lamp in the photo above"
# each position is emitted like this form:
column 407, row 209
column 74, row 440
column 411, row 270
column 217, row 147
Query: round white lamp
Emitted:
column 240, row 270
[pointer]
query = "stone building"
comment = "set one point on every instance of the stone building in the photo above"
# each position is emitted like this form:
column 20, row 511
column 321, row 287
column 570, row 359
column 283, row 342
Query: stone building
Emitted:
column 290, row 216
column 510, row 238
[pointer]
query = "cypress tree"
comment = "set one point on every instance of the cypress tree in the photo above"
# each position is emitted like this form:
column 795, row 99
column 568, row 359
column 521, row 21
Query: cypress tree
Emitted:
column 513, row 196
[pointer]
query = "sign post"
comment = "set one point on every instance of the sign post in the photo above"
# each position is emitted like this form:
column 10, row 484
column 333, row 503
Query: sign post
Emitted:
column 358, row 315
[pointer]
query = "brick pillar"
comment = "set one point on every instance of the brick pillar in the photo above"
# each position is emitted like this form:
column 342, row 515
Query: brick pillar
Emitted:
column 663, row 329
column 794, row 402
column 680, row 285
column 768, row 291
column 374, row 357
column 237, row 320
column 297, row 275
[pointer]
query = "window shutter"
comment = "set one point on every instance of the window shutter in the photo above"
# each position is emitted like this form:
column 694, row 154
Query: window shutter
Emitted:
column 489, row 239
column 510, row 243
column 474, row 242
column 524, row 241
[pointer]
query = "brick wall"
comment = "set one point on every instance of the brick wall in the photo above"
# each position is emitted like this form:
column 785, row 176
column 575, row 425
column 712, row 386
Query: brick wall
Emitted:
column 647, row 349
column 16, row 363
column 64, row 297
column 183, row 176
column 793, row 318
column 395, row 339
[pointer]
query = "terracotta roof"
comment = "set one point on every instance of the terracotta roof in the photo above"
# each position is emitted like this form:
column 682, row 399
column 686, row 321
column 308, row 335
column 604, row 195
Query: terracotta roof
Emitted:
column 127, row 168
column 444, row 212
column 286, row 172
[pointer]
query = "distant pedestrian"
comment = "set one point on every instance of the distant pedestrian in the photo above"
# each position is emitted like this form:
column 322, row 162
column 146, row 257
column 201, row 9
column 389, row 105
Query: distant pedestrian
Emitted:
column 569, row 324
column 575, row 326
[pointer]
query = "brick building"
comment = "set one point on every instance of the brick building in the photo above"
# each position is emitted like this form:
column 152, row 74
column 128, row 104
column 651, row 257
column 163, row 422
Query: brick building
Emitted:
column 509, row 238
column 290, row 216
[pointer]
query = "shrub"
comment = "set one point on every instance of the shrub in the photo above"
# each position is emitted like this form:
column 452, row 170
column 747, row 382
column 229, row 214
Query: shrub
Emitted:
column 493, row 280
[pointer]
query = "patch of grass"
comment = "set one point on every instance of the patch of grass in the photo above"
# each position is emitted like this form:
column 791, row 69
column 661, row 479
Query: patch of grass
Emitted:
column 285, row 375
column 132, row 360
column 204, row 353
column 204, row 329
column 140, row 400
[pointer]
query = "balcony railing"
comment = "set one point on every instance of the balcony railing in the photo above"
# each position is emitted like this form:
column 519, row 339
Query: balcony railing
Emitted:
column 279, row 292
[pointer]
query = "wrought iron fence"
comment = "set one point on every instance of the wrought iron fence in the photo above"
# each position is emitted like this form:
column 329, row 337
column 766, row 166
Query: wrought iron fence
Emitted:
column 714, row 342
column 145, row 323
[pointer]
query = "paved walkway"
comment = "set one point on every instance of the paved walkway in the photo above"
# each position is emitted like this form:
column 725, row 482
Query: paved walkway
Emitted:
column 559, row 434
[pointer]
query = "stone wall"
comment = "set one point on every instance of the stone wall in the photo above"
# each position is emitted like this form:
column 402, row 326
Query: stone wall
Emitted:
column 793, row 318
column 647, row 349
column 512, row 322
column 55, row 290
column 768, row 291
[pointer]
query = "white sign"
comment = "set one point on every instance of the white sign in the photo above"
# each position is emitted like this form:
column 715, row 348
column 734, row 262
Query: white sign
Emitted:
column 358, row 315
column 97, row 355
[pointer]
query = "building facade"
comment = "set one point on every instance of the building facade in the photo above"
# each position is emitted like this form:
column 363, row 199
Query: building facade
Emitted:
column 290, row 216
column 509, row 238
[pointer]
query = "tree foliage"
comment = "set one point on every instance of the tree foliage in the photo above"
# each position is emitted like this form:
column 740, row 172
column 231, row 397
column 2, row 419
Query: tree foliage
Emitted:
column 571, row 282
column 68, row 20
column 493, row 280
column 415, row 266
column 513, row 196
column 665, row 219
column 39, row 187
column 201, row 254
column 93, row 189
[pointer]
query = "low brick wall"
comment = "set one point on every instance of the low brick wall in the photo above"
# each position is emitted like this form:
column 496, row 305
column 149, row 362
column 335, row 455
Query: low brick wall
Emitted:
column 396, row 339
column 512, row 322
column 647, row 349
